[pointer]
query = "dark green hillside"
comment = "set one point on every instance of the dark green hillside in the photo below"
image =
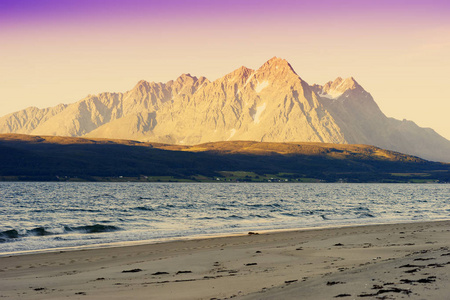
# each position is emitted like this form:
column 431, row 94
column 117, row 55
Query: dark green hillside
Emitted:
column 56, row 158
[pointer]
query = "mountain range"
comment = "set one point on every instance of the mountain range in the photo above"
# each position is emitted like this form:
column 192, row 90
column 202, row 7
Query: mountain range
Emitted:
column 270, row 104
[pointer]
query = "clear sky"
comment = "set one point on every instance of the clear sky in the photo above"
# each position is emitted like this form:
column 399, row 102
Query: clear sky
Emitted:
column 54, row 51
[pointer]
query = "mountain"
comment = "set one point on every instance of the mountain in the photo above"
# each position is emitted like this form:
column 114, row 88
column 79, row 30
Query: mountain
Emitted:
column 54, row 158
column 270, row 104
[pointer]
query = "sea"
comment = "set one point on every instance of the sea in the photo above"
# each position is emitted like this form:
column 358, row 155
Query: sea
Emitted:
column 53, row 216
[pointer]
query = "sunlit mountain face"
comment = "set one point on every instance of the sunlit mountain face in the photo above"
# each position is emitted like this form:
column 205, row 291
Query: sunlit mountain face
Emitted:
column 270, row 104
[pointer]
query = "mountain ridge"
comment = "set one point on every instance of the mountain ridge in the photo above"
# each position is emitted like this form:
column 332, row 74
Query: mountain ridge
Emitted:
column 242, row 147
column 55, row 158
column 269, row 104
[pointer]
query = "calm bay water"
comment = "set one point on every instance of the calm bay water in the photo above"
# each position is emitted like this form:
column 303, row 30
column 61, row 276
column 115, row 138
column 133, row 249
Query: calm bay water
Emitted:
column 35, row 216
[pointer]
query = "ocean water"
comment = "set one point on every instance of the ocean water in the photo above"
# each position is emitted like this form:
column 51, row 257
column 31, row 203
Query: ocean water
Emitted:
column 38, row 216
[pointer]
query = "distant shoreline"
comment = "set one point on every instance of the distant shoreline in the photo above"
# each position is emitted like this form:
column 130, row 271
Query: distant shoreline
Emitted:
column 175, row 180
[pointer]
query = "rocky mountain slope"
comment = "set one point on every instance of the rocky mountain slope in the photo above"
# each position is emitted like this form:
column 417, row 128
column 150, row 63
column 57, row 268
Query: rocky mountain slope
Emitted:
column 271, row 104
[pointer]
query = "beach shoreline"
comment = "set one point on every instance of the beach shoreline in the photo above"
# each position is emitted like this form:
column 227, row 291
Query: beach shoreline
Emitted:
column 133, row 243
column 333, row 261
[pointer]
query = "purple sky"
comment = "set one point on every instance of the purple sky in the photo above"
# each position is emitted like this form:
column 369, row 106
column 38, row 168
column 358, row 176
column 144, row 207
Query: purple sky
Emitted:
column 18, row 12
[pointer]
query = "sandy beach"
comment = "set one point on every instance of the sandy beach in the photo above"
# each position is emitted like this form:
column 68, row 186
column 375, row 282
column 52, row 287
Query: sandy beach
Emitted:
column 389, row 261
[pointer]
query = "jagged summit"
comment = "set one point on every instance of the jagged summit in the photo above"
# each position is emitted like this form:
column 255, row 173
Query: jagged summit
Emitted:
column 270, row 104
column 186, row 76
column 143, row 87
column 277, row 65
column 141, row 83
column 241, row 73
column 347, row 84
column 277, row 61
column 335, row 89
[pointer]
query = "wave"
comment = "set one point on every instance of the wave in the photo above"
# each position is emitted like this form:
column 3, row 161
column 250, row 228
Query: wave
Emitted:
column 231, row 217
column 38, row 231
column 260, row 216
column 366, row 215
column 143, row 208
column 103, row 196
column 97, row 228
column 271, row 205
column 8, row 234
column 13, row 234
column 83, row 210
column 205, row 218
column 65, row 209
column 288, row 214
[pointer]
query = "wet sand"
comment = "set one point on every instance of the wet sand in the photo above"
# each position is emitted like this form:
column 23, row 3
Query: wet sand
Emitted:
column 390, row 261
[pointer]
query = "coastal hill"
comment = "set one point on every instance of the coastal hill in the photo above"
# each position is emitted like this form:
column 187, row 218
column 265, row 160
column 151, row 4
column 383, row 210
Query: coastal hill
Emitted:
column 26, row 157
column 270, row 104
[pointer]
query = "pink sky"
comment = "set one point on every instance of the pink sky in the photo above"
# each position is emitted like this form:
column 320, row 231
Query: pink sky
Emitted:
column 60, row 51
